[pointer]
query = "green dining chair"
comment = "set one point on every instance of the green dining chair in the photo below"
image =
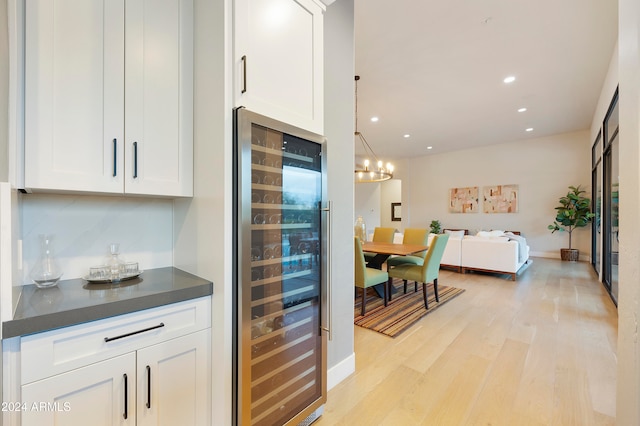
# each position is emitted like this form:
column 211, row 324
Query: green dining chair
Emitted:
column 426, row 273
column 380, row 235
column 367, row 277
column 411, row 236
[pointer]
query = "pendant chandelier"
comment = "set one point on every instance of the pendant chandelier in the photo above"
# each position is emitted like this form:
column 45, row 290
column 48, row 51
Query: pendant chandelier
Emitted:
column 377, row 172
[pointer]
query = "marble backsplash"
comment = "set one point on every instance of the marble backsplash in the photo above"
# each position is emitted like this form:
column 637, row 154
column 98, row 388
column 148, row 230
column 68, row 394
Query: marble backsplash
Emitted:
column 84, row 226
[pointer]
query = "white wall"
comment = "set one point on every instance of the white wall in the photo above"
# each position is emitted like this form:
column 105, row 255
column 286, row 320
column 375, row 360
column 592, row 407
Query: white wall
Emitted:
column 203, row 224
column 543, row 168
column 628, row 392
column 368, row 204
column 4, row 92
column 390, row 192
column 339, row 127
column 5, row 263
column 609, row 86
column 373, row 202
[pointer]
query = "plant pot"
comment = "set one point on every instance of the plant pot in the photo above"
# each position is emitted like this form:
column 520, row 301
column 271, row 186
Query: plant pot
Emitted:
column 571, row 255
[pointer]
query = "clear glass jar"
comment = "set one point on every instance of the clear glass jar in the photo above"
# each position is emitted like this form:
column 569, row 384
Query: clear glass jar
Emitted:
column 46, row 272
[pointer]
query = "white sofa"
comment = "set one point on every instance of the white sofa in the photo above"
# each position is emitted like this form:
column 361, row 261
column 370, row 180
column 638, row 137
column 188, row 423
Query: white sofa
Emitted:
column 452, row 256
column 498, row 254
column 490, row 252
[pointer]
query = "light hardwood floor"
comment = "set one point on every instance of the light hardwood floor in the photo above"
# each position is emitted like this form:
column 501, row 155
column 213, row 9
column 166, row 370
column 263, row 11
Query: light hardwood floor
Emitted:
column 537, row 351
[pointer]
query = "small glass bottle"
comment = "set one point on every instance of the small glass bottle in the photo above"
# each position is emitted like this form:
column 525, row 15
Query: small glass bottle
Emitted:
column 46, row 272
column 360, row 229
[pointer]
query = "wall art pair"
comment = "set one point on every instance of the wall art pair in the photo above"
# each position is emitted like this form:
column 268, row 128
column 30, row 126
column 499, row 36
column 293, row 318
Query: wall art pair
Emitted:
column 495, row 199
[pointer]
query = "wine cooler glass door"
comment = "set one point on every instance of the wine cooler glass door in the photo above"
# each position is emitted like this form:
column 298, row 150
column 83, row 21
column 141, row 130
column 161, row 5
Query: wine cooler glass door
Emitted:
column 281, row 296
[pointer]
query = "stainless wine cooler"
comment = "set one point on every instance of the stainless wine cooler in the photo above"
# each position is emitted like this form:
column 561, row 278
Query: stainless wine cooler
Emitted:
column 280, row 275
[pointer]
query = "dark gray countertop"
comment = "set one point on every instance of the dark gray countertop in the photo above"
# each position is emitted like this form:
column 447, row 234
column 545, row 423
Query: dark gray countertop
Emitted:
column 76, row 301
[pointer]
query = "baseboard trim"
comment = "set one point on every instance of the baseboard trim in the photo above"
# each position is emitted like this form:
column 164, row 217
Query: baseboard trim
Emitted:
column 341, row 371
column 584, row 257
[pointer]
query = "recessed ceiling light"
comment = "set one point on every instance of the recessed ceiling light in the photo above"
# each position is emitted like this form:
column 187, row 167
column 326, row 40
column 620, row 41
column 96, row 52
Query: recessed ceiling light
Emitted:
column 429, row 147
column 522, row 110
column 407, row 136
column 374, row 119
column 509, row 79
column 530, row 129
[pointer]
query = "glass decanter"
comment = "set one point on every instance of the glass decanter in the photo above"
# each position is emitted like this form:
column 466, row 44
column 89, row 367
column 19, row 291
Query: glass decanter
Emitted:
column 46, row 272
column 114, row 262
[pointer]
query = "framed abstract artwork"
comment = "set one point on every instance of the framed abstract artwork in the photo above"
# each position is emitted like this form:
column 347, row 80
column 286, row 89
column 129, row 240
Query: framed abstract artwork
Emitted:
column 463, row 200
column 500, row 199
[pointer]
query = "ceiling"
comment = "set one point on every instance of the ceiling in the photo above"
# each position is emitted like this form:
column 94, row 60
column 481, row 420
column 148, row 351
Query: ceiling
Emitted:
column 435, row 70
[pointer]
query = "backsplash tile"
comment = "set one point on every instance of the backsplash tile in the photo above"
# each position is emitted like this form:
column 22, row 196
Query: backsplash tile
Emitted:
column 83, row 227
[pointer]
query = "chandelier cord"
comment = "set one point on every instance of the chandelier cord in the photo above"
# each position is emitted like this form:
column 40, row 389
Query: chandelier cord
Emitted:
column 378, row 172
column 357, row 78
column 367, row 148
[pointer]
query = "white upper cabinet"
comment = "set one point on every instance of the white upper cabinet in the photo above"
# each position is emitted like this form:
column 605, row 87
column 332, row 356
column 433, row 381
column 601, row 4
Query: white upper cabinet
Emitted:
column 278, row 60
column 159, row 97
column 109, row 96
column 74, row 95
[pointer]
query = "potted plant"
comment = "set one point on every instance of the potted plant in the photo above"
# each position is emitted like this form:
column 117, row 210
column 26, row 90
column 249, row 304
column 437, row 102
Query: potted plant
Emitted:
column 573, row 212
column 435, row 227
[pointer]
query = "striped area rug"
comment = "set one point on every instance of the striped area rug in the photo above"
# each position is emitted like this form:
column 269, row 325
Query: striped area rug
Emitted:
column 404, row 309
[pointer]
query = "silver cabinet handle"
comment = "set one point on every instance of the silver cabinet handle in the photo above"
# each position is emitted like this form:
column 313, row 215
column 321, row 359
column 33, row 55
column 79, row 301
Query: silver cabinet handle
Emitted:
column 122, row 336
column 329, row 326
column 244, row 74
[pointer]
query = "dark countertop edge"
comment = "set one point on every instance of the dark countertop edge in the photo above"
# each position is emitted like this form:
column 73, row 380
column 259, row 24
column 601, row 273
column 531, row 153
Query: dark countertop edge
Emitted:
column 42, row 323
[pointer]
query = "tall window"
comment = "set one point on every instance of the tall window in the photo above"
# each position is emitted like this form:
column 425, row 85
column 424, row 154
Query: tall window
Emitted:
column 611, row 198
column 596, row 185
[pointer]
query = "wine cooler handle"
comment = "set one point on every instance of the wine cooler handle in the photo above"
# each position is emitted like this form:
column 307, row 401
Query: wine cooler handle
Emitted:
column 328, row 328
column 244, row 74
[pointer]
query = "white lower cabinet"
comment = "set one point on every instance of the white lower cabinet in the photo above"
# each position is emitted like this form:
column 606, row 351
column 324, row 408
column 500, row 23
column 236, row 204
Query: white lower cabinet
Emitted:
column 147, row 368
column 164, row 384
column 98, row 394
column 173, row 382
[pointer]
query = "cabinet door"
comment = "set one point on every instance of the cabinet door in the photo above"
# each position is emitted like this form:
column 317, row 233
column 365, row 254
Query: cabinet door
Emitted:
column 98, row 394
column 279, row 60
column 173, row 381
column 74, row 75
column 159, row 97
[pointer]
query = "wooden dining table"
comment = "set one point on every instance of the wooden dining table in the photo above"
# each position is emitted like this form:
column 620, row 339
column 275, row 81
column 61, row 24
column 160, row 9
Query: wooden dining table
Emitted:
column 383, row 251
